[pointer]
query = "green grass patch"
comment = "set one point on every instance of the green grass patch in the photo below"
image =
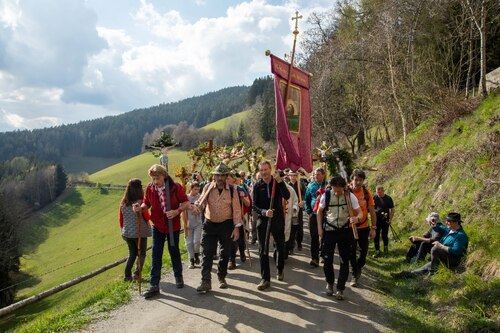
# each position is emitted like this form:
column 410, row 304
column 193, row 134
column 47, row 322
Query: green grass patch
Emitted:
column 455, row 172
column 78, row 235
column 222, row 123
column 137, row 167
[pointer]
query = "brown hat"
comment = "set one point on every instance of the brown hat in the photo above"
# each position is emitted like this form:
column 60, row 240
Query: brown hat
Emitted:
column 221, row 169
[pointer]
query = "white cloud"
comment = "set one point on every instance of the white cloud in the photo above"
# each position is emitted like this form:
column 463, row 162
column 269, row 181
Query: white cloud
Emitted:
column 18, row 122
column 56, row 64
column 10, row 13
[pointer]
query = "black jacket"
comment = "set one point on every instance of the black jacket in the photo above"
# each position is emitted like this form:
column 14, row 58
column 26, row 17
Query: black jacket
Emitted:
column 262, row 197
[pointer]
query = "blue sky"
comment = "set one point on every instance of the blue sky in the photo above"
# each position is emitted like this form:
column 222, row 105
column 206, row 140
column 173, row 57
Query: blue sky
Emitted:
column 62, row 61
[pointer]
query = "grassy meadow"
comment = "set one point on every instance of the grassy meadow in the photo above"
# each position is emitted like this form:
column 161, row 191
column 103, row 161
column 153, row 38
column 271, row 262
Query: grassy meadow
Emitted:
column 221, row 123
column 137, row 167
column 76, row 235
column 456, row 170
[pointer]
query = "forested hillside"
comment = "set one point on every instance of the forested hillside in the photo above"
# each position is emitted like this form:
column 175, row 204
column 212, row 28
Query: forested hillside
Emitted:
column 122, row 135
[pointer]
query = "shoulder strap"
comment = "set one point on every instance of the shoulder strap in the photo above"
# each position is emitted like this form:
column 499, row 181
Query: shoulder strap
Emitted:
column 327, row 199
column 365, row 193
column 231, row 190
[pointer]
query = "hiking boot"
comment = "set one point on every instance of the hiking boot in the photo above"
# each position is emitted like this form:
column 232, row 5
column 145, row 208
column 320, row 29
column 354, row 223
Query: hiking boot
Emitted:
column 402, row 275
column 314, row 263
column 232, row 265
column 243, row 257
column 263, row 285
column 135, row 278
column 290, row 252
column 329, row 289
column 280, row 276
column 205, row 286
column 377, row 254
column 339, row 295
column 196, row 258
column 151, row 292
column 299, row 247
column 222, row 283
column 191, row 264
column 179, row 282
column 355, row 281
column 386, row 250
column 127, row 279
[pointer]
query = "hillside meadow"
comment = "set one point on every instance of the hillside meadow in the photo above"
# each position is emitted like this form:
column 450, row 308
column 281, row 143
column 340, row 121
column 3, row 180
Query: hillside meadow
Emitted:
column 76, row 235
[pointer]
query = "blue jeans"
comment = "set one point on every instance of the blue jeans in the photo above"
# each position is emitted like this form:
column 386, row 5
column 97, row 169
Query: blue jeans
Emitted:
column 157, row 254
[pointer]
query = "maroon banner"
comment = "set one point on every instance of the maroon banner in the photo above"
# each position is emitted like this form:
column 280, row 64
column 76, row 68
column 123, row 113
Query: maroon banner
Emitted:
column 293, row 122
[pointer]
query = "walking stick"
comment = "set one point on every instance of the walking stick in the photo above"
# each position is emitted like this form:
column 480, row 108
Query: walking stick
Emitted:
column 268, row 227
column 139, row 251
column 349, row 207
column 394, row 234
column 245, row 235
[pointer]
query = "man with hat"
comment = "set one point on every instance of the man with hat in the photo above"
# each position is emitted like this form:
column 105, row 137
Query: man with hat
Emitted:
column 449, row 251
column 422, row 245
column 222, row 222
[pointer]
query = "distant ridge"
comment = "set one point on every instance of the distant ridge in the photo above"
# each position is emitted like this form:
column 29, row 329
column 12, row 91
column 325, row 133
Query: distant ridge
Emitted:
column 121, row 135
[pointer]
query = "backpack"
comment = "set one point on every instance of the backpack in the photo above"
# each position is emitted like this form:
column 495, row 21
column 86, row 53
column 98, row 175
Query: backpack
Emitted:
column 328, row 195
column 365, row 196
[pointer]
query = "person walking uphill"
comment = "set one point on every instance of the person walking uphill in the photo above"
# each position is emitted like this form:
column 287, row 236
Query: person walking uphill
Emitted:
column 157, row 198
column 130, row 229
column 262, row 193
column 365, row 200
column 310, row 201
column 335, row 230
column 222, row 222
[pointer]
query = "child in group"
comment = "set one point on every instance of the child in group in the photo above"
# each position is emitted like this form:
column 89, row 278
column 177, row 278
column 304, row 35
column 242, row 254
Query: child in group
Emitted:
column 129, row 227
column 193, row 236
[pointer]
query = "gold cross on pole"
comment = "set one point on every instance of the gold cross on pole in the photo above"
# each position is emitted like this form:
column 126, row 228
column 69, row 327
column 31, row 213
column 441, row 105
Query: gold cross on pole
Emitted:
column 297, row 17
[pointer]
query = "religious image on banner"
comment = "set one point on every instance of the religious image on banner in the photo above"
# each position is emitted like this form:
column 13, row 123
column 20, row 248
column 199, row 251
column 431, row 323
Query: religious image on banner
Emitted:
column 292, row 106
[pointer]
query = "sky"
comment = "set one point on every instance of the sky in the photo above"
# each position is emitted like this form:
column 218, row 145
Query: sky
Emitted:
column 63, row 61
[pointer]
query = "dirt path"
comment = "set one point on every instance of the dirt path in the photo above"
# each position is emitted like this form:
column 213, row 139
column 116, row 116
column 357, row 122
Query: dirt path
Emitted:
column 297, row 303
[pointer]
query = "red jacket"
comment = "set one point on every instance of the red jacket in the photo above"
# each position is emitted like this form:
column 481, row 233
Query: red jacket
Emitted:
column 152, row 199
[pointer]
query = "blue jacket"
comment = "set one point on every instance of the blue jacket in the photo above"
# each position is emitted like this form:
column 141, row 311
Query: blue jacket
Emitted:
column 310, row 197
column 436, row 232
column 457, row 242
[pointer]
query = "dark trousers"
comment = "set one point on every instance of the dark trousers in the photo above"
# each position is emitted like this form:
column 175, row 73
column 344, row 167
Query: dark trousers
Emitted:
column 342, row 239
column 238, row 245
column 278, row 232
column 213, row 234
column 299, row 234
column 132, row 255
column 313, row 231
column 419, row 250
column 438, row 256
column 357, row 263
column 290, row 244
column 157, row 254
column 382, row 228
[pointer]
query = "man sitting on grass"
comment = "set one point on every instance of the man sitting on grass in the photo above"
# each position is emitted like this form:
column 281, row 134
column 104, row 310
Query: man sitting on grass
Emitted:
column 448, row 251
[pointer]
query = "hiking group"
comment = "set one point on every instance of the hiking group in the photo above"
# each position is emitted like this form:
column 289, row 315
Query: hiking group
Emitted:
column 227, row 213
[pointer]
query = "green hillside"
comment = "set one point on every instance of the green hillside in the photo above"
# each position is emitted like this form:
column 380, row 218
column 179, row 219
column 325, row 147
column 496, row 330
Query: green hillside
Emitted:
column 221, row 123
column 137, row 167
column 76, row 235
column 448, row 166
